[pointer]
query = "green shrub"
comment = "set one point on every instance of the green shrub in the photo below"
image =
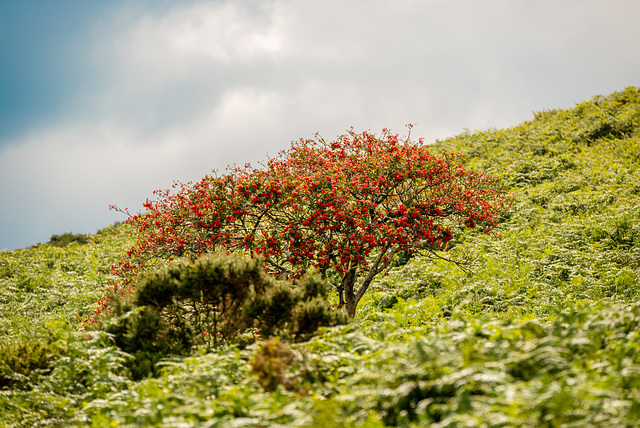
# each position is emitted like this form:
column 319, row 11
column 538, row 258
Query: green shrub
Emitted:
column 312, row 314
column 67, row 238
column 213, row 301
column 144, row 333
column 294, row 312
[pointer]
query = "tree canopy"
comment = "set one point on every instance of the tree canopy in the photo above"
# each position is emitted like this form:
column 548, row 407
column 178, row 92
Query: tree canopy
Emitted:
column 344, row 207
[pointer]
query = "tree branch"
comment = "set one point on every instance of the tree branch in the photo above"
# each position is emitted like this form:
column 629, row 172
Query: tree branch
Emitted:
column 375, row 269
column 278, row 266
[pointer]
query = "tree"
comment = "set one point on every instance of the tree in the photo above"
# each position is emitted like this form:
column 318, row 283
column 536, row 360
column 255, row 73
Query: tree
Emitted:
column 345, row 207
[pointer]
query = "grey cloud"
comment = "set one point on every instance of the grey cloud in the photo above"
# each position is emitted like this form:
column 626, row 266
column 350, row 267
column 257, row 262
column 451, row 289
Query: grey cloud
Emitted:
column 195, row 86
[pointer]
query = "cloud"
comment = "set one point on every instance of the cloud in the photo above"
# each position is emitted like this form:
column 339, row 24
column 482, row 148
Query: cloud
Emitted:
column 170, row 92
column 449, row 66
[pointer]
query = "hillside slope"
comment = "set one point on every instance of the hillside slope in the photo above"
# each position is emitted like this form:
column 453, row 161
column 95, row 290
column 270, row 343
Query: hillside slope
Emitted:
column 573, row 232
column 543, row 330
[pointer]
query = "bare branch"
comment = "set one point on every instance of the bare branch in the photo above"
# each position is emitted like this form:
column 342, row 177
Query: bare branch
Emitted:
column 278, row 266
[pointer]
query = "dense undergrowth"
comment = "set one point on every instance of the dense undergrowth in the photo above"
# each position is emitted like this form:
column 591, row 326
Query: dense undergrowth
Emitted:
column 544, row 329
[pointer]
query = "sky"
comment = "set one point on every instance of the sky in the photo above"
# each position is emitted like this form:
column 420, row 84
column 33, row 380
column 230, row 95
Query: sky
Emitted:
column 103, row 102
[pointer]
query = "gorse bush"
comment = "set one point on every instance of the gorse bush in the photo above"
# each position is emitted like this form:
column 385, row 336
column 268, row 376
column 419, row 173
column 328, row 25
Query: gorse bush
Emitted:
column 210, row 292
column 345, row 207
column 67, row 238
column 215, row 300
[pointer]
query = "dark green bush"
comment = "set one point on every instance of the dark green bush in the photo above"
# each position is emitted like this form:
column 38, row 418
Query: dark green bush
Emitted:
column 67, row 238
column 313, row 314
column 147, row 335
column 312, row 285
column 273, row 311
column 294, row 312
column 213, row 301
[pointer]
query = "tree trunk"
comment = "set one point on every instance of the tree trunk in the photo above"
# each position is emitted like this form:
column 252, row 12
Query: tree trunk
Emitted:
column 350, row 301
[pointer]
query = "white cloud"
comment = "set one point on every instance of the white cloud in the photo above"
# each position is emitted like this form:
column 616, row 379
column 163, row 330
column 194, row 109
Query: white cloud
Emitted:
column 201, row 85
column 222, row 32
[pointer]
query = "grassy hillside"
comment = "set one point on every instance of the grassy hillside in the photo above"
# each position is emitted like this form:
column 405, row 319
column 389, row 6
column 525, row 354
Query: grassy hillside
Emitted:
column 544, row 330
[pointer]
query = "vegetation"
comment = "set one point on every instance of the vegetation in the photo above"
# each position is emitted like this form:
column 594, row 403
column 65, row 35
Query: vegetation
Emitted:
column 216, row 300
column 543, row 330
column 67, row 238
column 344, row 207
